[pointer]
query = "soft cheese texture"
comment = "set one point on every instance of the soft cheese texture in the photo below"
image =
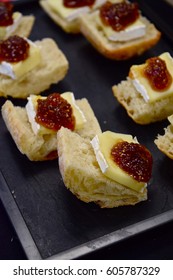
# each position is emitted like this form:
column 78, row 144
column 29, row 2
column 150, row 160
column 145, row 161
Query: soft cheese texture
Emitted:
column 102, row 145
column 5, row 31
column 133, row 31
column 16, row 70
column 142, row 85
column 72, row 13
column 31, row 108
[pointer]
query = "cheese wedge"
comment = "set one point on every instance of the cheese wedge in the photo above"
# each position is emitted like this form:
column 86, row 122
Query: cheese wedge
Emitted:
column 17, row 70
column 142, row 85
column 135, row 30
column 31, row 108
column 5, row 31
column 102, row 145
column 72, row 13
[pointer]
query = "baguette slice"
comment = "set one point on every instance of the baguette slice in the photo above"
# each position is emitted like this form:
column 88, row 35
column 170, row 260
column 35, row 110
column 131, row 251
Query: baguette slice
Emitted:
column 165, row 142
column 25, row 26
column 52, row 69
column 139, row 110
column 42, row 147
column 69, row 27
column 82, row 175
column 117, row 50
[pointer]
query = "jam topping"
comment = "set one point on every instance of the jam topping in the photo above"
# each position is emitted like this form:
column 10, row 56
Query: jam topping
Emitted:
column 157, row 74
column 55, row 112
column 14, row 49
column 78, row 3
column 6, row 13
column 134, row 159
column 119, row 15
column 51, row 155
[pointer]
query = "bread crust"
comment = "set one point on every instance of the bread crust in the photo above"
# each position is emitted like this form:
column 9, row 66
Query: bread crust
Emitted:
column 42, row 147
column 52, row 69
column 165, row 142
column 140, row 111
column 117, row 50
column 82, row 176
column 69, row 27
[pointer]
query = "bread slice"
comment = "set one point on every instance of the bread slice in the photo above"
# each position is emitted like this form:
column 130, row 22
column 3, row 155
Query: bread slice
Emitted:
column 25, row 26
column 165, row 142
column 52, row 69
column 67, row 26
column 82, row 175
column 90, row 28
column 140, row 111
column 42, row 147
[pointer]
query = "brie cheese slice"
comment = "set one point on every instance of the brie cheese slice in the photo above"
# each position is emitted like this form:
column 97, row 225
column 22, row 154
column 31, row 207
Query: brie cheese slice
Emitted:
column 6, row 31
column 17, row 70
column 133, row 31
column 102, row 145
column 142, row 85
column 31, row 109
column 72, row 13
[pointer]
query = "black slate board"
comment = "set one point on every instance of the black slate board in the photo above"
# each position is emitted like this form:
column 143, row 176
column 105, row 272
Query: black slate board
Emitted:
column 49, row 220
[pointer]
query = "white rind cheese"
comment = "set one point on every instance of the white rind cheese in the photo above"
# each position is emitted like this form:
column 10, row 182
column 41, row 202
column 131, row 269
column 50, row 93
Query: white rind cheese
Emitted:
column 133, row 31
column 71, row 14
column 141, row 83
column 31, row 109
column 102, row 145
column 6, row 31
column 17, row 70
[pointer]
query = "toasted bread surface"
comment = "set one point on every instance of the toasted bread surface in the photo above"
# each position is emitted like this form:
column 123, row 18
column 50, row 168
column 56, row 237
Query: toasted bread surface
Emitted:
column 90, row 28
column 82, row 175
column 137, row 108
column 42, row 147
column 52, row 69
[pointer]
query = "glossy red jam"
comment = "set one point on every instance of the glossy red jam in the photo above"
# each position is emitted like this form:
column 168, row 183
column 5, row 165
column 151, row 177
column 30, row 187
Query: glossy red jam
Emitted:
column 157, row 74
column 78, row 3
column 14, row 49
column 55, row 112
column 6, row 12
column 134, row 159
column 119, row 15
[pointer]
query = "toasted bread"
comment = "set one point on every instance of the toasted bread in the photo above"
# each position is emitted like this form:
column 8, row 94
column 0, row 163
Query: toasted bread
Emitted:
column 42, row 147
column 82, row 175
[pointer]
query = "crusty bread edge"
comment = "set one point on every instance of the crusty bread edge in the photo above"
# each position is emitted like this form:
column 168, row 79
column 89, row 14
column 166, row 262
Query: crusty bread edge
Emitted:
column 31, row 145
column 165, row 142
column 69, row 27
column 52, row 69
column 69, row 171
column 110, row 49
column 150, row 112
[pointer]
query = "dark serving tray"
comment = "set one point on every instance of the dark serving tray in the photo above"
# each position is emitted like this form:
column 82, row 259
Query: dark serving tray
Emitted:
column 50, row 222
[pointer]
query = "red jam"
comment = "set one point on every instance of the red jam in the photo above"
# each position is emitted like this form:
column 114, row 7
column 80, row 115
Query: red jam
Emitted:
column 78, row 3
column 55, row 112
column 119, row 15
column 157, row 74
column 134, row 159
column 6, row 12
column 51, row 155
column 14, row 49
